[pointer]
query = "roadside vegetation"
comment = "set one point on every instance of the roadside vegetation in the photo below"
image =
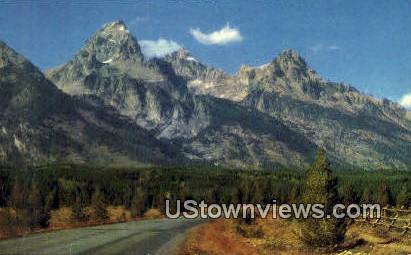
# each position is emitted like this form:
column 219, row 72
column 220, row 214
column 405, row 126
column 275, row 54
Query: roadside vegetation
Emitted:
column 68, row 195
column 280, row 237
column 311, row 235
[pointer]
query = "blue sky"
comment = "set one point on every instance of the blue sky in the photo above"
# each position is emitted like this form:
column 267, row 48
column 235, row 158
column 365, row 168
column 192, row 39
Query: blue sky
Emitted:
column 364, row 43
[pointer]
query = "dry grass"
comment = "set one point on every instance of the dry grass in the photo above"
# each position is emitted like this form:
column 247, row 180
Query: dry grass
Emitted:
column 217, row 238
column 378, row 240
column 230, row 237
column 153, row 213
column 10, row 224
column 118, row 214
column 281, row 237
column 61, row 218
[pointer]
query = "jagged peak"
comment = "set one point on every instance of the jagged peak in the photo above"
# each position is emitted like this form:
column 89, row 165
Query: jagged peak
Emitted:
column 116, row 29
column 5, row 49
column 290, row 61
column 112, row 42
column 182, row 54
column 290, row 56
column 291, row 53
column 284, row 60
column 117, row 25
column 3, row 44
column 179, row 54
column 10, row 56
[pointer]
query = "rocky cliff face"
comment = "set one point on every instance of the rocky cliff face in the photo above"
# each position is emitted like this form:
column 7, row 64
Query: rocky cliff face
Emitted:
column 40, row 124
column 205, row 80
column 112, row 67
column 288, row 74
column 154, row 93
column 358, row 139
column 356, row 129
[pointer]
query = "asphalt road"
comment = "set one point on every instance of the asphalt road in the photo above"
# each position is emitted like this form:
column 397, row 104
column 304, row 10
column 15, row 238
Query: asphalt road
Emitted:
column 161, row 236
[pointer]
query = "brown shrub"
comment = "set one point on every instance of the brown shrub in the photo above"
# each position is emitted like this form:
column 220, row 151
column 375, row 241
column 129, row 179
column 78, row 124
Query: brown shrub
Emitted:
column 10, row 224
column 61, row 218
column 118, row 214
column 153, row 213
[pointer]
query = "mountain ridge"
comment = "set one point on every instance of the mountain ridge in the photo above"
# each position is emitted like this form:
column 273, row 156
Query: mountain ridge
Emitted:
column 277, row 114
column 167, row 108
column 288, row 89
column 40, row 124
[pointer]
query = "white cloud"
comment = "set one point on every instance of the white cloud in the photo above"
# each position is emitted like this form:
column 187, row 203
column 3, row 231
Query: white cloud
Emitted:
column 321, row 47
column 406, row 101
column 225, row 35
column 158, row 48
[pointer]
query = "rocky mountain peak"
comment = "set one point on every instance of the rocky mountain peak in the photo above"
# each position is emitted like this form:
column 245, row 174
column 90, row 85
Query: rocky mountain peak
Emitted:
column 286, row 70
column 290, row 65
column 185, row 65
column 9, row 57
column 290, row 54
column 181, row 55
column 290, row 59
column 113, row 42
column 11, row 61
column 23, row 89
column 117, row 25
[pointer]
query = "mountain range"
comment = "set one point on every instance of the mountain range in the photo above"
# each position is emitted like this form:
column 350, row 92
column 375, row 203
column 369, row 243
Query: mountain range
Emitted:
column 110, row 104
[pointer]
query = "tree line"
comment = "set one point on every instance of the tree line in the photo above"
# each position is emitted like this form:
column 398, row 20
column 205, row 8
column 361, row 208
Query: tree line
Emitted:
column 34, row 192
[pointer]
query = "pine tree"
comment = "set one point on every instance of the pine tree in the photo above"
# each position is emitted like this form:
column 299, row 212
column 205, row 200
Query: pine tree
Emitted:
column 18, row 195
column 403, row 198
column 295, row 194
column 367, row 197
column 3, row 190
column 349, row 195
column 34, row 207
column 384, row 196
column 99, row 205
column 78, row 210
column 137, row 203
column 321, row 188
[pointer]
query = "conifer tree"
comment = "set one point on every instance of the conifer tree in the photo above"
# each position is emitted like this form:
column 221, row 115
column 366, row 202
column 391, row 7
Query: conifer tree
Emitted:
column 349, row 195
column 137, row 203
column 34, row 207
column 99, row 205
column 384, row 196
column 78, row 210
column 321, row 188
column 403, row 197
column 367, row 197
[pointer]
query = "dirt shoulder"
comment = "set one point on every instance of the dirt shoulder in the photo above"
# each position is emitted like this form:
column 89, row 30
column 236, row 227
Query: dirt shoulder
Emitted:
column 268, row 236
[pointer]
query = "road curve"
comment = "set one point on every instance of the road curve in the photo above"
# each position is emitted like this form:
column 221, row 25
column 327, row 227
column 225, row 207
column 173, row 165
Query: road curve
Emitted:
column 144, row 237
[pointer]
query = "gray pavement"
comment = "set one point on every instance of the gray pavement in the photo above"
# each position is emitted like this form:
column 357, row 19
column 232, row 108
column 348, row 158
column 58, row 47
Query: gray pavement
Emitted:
column 161, row 236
